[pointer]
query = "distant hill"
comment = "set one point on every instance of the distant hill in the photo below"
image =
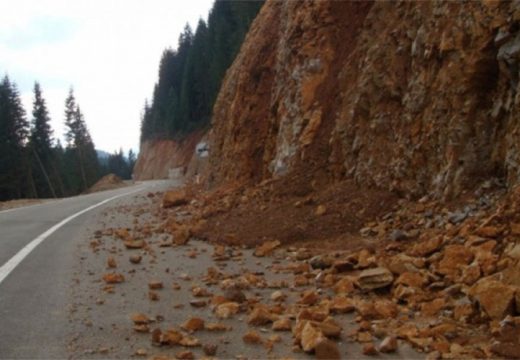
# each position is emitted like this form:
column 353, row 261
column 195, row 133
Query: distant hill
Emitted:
column 102, row 156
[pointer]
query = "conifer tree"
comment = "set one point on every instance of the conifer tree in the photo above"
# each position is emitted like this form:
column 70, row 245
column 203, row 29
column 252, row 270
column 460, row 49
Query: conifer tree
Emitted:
column 13, row 136
column 40, row 147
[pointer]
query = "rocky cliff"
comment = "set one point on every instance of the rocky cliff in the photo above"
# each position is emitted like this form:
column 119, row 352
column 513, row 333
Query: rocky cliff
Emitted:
column 413, row 97
column 156, row 158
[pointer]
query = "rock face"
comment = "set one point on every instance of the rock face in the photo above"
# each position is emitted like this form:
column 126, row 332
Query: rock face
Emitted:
column 317, row 84
column 157, row 158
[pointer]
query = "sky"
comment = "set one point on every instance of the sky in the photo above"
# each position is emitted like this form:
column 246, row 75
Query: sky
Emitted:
column 107, row 50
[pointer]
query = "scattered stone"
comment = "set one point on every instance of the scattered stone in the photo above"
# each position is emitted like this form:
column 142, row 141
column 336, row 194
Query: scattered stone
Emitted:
column 155, row 285
column 282, row 324
column 260, row 316
column 143, row 328
column 374, row 278
column 185, row 355
column 496, row 298
column 234, row 294
column 369, row 349
column 216, row 327
column 113, row 278
column 327, row 349
column 111, row 262
column 278, row 296
column 398, row 235
column 135, row 259
column 388, row 345
column 175, row 198
column 198, row 303
column 193, row 324
column 210, row 349
column 141, row 352
column 227, row 310
column 321, row 262
column 252, row 337
column 139, row 318
column 153, row 296
column 134, row 244
column 311, row 337
column 266, row 248
column 320, row 210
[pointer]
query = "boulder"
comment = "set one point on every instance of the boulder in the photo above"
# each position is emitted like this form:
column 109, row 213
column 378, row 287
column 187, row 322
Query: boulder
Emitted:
column 374, row 278
column 175, row 198
column 495, row 298
column 327, row 349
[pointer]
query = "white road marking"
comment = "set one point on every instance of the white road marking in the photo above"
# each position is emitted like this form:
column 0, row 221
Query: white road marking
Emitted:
column 9, row 266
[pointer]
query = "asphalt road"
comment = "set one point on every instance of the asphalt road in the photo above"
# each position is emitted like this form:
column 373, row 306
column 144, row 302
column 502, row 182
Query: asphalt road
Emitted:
column 33, row 301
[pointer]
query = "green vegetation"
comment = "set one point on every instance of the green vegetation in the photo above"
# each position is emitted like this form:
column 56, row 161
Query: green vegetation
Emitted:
column 190, row 77
column 32, row 163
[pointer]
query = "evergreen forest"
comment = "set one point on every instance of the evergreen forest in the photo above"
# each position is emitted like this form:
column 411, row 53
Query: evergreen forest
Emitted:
column 35, row 165
column 190, row 76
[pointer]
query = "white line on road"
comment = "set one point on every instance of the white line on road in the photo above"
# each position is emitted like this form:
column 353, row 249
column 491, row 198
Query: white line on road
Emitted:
column 9, row 266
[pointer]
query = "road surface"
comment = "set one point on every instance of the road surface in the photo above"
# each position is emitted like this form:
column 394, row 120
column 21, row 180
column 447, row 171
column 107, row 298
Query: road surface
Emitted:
column 33, row 290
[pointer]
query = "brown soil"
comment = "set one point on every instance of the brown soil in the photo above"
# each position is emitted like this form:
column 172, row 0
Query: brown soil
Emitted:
column 107, row 182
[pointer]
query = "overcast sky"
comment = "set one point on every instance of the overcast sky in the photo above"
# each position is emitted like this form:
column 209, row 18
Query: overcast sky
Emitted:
column 108, row 50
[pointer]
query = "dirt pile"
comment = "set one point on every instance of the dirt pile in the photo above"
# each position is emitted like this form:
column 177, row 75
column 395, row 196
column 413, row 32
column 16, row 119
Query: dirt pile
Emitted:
column 107, row 182
column 156, row 158
column 413, row 97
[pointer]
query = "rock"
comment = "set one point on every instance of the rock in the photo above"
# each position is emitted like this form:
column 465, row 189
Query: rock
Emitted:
column 198, row 303
column 282, row 324
column 210, row 349
column 216, row 327
column 198, row 291
column 488, row 231
column 278, row 296
column 388, row 345
column 134, row 244
column 135, row 259
column 141, row 352
column 321, row 262
column 495, row 298
column 514, row 252
column 140, row 319
column 369, row 349
column 311, row 337
column 401, row 263
column 266, row 248
column 398, row 235
column 426, row 247
column 341, row 305
column 374, row 278
column 510, row 350
column 320, row 210
column 432, row 308
column 327, row 349
column 227, row 310
column 260, row 316
column 170, row 337
column 185, row 355
column 386, row 309
column 113, row 278
column 111, row 262
column 455, row 256
column 309, row 297
column 234, row 294
column 252, row 337
column 413, row 279
column 142, row 328
column 155, row 285
column 153, row 296
column 175, row 198
column 193, row 324
column 345, row 285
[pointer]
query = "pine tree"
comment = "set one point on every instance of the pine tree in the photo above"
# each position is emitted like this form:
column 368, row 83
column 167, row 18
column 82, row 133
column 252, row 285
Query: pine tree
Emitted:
column 40, row 147
column 13, row 136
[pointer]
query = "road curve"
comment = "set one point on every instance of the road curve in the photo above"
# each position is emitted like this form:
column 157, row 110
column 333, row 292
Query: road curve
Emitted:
column 33, row 304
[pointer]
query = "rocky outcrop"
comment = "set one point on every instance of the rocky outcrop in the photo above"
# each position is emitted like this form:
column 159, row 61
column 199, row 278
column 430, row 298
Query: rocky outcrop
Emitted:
column 414, row 97
column 158, row 157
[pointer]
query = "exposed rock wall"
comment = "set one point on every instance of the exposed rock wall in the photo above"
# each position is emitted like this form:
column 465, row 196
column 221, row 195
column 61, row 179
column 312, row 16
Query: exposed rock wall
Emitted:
column 415, row 97
column 157, row 157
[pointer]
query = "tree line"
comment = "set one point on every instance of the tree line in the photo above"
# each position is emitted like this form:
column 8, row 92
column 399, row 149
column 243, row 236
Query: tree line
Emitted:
column 35, row 165
column 190, row 76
